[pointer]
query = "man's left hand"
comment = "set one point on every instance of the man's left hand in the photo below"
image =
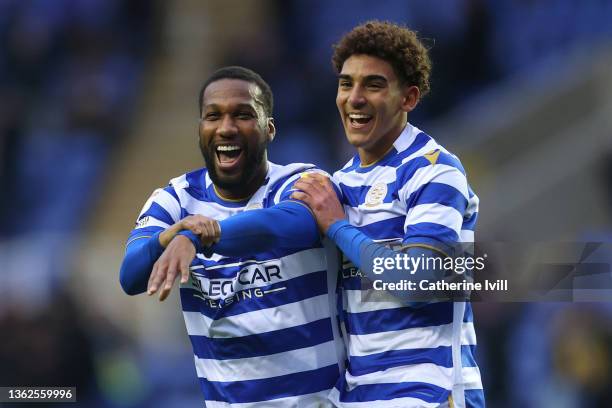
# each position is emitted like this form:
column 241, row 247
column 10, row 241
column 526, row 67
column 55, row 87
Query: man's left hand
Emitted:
column 173, row 262
column 318, row 193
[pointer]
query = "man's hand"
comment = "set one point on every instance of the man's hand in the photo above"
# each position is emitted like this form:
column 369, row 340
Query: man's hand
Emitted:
column 318, row 192
column 176, row 259
column 206, row 228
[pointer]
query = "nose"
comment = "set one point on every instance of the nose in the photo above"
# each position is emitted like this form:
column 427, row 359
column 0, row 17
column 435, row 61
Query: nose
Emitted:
column 227, row 127
column 356, row 98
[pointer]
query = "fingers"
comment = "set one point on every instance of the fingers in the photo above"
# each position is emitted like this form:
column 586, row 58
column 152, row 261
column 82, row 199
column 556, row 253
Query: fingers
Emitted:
column 299, row 195
column 210, row 232
column 167, row 285
column 156, row 278
column 184, row 272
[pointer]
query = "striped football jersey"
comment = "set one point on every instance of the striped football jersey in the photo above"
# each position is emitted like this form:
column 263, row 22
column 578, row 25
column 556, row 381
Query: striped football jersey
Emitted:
column 401, row 356
column 263, row 327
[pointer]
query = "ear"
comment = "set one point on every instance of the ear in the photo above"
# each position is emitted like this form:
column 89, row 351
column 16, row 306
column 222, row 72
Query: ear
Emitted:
column 271, row 129
column 411, row 96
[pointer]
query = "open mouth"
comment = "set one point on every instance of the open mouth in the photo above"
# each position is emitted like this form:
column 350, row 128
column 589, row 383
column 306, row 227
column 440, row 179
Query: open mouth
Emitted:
column 228, row 156
column 359, row 120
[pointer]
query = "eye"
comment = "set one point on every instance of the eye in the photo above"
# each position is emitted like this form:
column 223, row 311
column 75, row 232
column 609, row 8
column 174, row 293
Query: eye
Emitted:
column 375, row 85
column 344, row 84
column 211, row 116
column 245, row 115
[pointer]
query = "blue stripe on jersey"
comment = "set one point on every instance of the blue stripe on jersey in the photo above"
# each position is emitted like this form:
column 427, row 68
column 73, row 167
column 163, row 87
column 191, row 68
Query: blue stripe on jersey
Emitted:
column 450, row 160
column 440, row 193
column 262, row 344
column 170, row 190
column 442, row 356
column 197, row 185
column 306, row 382
column 385, row 229
column 361, row 365
column 440, row 232
column 159, row 213
column 468, row 315
column 377, row 321
column 468, row 353
column 470, row 223
column 419, row 142
column 352, row 283
column 387, row 391
column 474, row 399
column 300, row 288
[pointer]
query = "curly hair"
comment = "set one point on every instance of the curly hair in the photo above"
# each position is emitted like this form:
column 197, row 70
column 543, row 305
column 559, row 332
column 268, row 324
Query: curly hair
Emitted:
column 393, row 43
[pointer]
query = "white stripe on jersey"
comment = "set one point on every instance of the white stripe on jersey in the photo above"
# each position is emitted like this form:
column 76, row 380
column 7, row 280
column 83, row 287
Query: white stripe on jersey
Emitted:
column 425, row 373
column 258, row 321
column 413, row 338
column 437, row 214
column 383, row 174
column 444, row 174
column 273, row 365
column 363, row 215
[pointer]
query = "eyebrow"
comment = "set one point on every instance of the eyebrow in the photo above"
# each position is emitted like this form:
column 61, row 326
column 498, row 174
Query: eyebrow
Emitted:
column 367, row 78
column 238, row 106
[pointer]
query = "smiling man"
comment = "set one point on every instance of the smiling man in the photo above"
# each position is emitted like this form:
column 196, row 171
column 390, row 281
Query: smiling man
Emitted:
column 403, row 190
column 259, row 303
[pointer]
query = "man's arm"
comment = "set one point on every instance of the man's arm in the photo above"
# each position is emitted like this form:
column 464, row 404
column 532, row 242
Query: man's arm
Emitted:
column 288, row 224
column 141, row 254
column 320, row 195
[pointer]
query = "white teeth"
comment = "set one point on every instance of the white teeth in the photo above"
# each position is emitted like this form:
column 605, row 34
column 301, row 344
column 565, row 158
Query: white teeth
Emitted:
column 359, row 116
column 227, row 148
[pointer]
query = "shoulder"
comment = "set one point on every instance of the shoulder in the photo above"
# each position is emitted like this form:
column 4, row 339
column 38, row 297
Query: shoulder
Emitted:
column 282, row 178
column 433, row 164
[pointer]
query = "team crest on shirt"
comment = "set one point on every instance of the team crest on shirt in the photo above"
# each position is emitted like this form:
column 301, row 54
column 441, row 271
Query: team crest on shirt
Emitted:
column 376, row 194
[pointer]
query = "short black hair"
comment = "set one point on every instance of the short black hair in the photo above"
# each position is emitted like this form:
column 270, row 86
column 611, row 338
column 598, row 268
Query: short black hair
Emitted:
column 245, row 74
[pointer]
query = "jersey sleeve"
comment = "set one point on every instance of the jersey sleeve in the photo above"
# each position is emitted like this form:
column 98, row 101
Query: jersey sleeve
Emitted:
column 436, row 199
column 161, row 210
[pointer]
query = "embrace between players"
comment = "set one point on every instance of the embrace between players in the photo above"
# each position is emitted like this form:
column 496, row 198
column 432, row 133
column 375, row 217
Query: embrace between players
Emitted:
column 274, row 317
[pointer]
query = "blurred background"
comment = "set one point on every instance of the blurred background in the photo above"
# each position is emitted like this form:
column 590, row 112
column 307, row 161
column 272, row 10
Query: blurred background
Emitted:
column 98, row 107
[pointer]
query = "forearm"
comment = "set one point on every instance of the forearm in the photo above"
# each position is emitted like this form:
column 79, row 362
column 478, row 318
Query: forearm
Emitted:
column 286, row 225
column 140, row 256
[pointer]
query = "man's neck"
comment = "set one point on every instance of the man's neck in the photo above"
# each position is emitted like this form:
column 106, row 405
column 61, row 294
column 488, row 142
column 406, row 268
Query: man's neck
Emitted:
column 247, row 190
column 373, row 154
